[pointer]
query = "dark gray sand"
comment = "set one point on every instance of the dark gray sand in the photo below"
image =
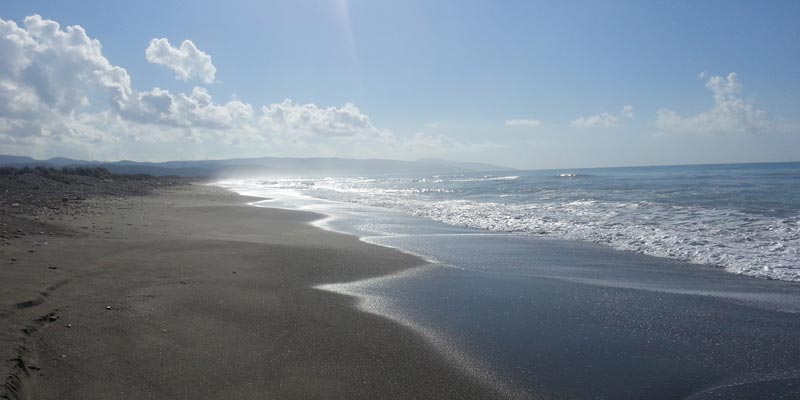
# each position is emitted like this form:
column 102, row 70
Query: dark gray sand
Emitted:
column 191, row 294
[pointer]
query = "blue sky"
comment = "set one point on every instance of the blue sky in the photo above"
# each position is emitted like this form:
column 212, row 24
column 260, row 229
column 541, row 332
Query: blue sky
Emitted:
column 526, row 84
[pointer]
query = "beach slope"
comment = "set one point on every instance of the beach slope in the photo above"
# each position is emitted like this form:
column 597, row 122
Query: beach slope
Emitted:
column 192, row 294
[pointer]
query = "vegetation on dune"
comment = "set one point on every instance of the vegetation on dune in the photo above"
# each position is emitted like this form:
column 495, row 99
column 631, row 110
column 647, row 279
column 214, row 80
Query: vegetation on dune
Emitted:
column 67, row 174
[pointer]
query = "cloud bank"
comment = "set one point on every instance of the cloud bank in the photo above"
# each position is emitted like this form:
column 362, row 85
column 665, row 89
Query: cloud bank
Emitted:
column 59, row 95
column 187, row 62
column 731, row 113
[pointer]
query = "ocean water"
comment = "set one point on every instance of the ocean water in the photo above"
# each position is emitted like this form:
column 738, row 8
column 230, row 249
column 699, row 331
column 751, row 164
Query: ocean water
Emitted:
column 743, row 218
column 584, row 284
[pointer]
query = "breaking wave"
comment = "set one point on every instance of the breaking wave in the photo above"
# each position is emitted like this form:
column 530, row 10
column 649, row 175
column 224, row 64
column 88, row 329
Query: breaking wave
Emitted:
column 645, row 217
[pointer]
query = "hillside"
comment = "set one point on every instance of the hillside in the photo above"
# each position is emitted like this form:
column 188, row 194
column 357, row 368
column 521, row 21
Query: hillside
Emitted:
column 266, row 166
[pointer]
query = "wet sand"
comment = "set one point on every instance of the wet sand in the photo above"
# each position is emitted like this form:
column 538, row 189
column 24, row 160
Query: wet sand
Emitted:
column 557, row 319
column 192, row 294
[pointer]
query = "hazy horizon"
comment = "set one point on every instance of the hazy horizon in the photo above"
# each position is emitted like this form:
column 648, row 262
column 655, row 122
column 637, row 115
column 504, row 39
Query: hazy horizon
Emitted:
column 437, row 159
column 522, row 85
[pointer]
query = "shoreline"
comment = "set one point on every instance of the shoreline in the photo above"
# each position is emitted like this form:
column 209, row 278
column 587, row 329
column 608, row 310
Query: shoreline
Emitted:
column 210, row 297
column 753, row 237
column 195, row 293
column 439, row 341
column 622, row 324
column 442, row 343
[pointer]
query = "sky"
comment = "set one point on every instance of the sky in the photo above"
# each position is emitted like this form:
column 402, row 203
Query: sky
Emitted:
column 523, row 84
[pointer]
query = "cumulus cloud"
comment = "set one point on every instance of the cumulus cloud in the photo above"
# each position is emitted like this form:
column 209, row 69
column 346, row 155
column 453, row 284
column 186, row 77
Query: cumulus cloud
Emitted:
column 49, row 76
column 731, row 113
column 194, row 110
column 187, row 61
column 527, row 123
column 308, row 119
column 59, row 95
column 603, row 120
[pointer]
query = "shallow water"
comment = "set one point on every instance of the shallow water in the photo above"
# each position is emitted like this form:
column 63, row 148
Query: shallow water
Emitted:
column 551, row 318
column 744, row 218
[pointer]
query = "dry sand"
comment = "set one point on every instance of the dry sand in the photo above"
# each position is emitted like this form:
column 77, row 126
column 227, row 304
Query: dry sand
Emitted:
column 192, row 294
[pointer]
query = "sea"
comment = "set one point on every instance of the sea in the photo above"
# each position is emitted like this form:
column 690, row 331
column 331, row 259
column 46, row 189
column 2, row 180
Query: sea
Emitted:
column 643, row 282
column 742, row 218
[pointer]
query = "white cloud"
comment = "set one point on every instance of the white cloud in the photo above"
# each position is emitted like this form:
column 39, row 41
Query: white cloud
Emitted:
column 49, row 76
column 187, row 61
column 45, row 66
column 528, row 123
column 60, row 96
column 627, row 112
column 730, row 114
column 308, row 119
column 196, row 109
column 603, row 120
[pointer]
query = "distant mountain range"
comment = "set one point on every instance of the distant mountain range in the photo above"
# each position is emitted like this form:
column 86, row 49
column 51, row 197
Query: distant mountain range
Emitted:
column 266, row 166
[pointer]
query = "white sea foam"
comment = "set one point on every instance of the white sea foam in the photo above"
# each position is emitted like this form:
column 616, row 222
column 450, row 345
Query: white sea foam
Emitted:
column 487, row 178
column 763, row 246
